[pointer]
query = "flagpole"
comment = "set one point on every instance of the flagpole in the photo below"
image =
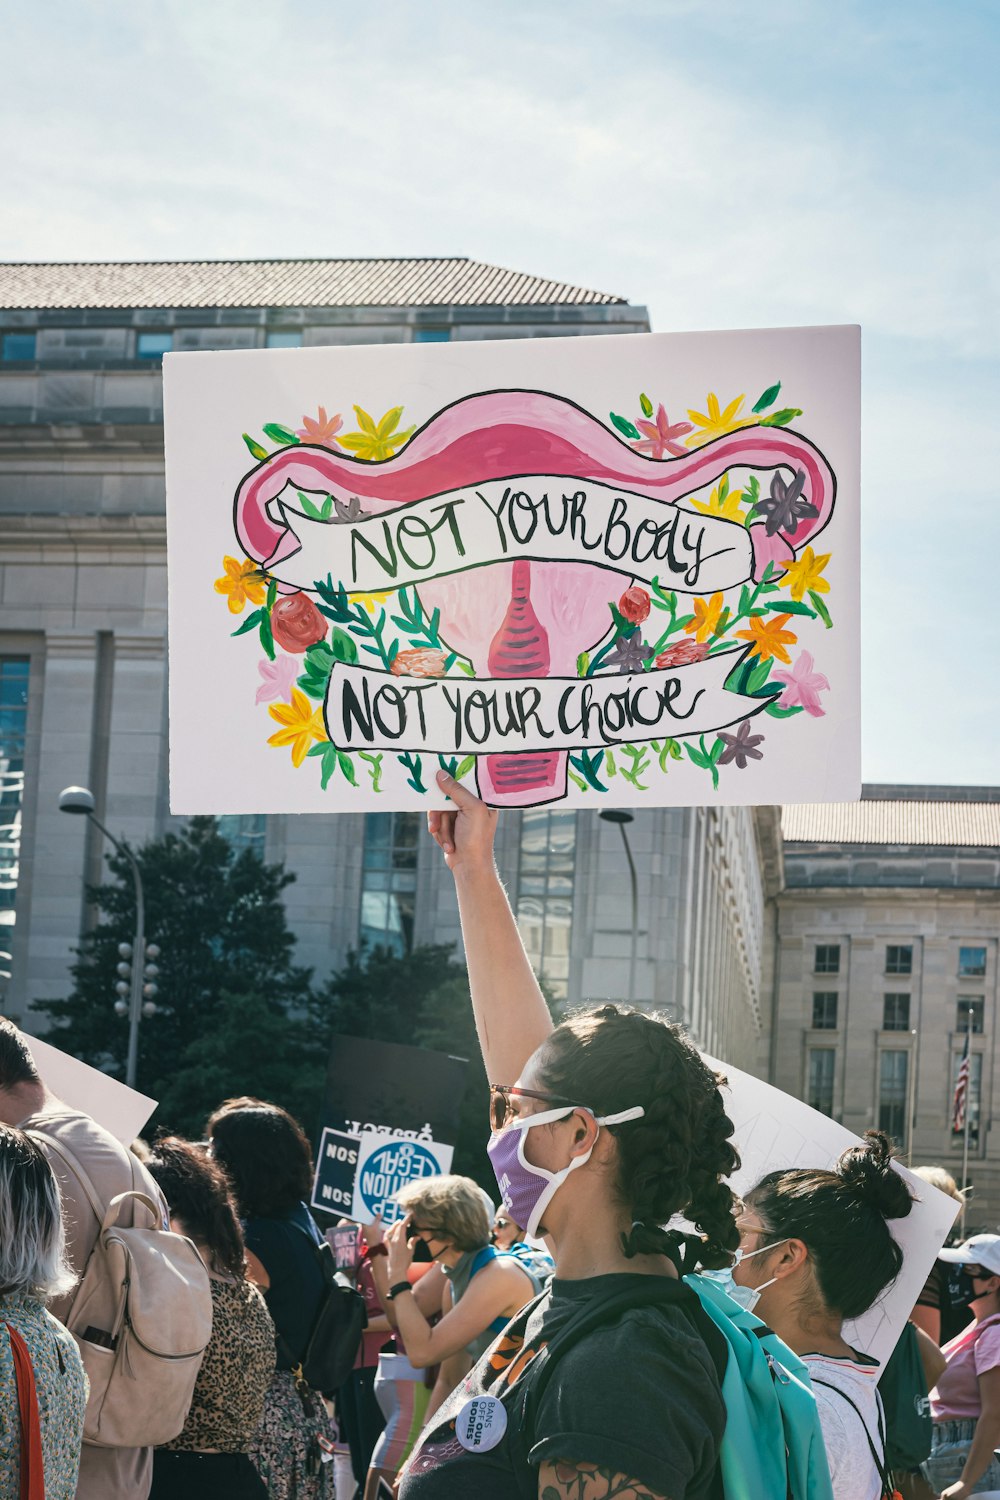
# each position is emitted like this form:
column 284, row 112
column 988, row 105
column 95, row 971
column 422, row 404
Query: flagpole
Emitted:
column 968, row 1117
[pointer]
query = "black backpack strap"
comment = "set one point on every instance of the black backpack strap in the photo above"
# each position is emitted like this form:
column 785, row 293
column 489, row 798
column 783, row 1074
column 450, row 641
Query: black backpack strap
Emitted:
column 881, row 1464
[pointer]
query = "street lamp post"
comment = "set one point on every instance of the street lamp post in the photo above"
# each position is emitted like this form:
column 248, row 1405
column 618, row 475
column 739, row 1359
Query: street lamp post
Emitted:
column 78, row 800
column 619, row 816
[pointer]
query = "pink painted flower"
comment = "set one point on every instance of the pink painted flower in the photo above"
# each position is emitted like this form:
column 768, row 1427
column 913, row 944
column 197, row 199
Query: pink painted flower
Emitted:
column 277, row 678
column 661, row 436
column 634, row 605
column 296, row 623
column 422, row 662
column 802, row 686
column 321, row 428
column 684, row 654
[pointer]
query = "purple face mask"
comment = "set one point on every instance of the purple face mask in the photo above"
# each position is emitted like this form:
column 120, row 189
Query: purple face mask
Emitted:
column 527, row 1190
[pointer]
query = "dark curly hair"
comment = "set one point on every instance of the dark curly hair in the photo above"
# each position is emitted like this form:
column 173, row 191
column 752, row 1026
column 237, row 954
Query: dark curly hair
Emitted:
column 840, row 1216
column 673, row 1159
column 197, row 1194
column 265, row 1155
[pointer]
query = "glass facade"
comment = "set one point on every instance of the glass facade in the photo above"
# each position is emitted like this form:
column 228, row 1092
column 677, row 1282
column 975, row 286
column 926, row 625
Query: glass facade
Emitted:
column 895, row 1012
column 893, row 1079
column 14, row 674
column 899, row 958
column 824, row 1011
column 18, row 346
column 827, row 959
column 820, row 1084
column 977, row 1005
column 389, row 880
column 971, row 963
column 545, row 893
column 244, row 831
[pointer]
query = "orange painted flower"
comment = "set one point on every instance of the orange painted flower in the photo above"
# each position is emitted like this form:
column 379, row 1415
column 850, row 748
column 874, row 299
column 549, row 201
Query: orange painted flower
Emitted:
column 718, row 420
column 238, row 584
column 300, row 722
column 321, row 428
column 419, row 663
column 769, row 637
column 706, row 617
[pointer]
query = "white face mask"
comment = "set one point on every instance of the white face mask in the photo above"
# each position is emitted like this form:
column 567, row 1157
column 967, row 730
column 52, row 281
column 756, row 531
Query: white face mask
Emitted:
column 746, row 1297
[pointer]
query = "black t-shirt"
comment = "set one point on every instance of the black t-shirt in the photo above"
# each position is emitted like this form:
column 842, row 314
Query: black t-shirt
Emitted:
column 286, row 1249
column 640, row 1397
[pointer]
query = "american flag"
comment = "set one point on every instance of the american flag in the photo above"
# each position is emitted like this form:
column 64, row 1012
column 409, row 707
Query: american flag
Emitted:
column 961, row 1090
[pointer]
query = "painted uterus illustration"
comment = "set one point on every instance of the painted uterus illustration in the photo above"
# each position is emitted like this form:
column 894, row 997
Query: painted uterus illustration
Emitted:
column 522, row 618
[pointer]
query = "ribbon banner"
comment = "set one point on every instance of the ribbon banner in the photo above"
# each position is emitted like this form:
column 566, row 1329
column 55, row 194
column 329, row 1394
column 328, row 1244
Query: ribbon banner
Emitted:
column 489, row 716
column 542, row 517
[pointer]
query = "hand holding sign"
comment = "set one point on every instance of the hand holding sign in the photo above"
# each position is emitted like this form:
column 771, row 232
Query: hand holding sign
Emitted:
column 465, row 836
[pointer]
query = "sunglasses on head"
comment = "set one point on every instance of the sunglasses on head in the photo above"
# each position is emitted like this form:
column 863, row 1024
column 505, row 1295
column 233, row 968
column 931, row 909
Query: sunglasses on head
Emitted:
column 502, row 1096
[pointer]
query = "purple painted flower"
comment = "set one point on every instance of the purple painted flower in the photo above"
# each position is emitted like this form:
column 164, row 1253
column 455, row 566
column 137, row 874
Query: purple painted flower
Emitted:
column 350, row 512
column 741, row 746
column 629, row 653
column 277, row 679
column 784, row 508
column 802, row 686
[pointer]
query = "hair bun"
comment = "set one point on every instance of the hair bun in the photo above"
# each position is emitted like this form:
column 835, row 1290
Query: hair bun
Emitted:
column 868, row 1171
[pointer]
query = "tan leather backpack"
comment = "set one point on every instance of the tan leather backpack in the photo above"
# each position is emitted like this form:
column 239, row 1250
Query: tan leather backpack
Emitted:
column 141, row 1317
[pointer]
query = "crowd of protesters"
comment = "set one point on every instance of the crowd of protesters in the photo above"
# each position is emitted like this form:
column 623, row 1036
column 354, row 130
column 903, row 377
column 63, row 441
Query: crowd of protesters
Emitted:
column 605, row 1131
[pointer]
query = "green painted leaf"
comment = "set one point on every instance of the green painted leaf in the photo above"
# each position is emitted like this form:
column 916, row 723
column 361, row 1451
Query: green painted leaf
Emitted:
column 255, row 448
column 328, row 765
column 346, row 764
column 783, row 417
column 343, row 646
column 465, row 766
column 320, row 748
column 327, row 508
column 716, row 750
column 759, row 675
column 675, row 749
column 790, row 607
column 646, row 404
column 266, row 637
column 310, row 508
column 696, row 756
column 753, row 495
column 821, row 609
column 769, row 397
column 582, row 663
column 781, row 713
column 466, row 667
column 624, row 426
column 279, row 434
column 250, row 623
column 272, row 594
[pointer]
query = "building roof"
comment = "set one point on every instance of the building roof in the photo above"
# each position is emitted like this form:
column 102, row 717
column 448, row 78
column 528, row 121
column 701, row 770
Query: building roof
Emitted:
column 897, row 820
column 425, row 282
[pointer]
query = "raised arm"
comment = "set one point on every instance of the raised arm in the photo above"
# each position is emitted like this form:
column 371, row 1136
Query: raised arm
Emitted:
column 512, row 1018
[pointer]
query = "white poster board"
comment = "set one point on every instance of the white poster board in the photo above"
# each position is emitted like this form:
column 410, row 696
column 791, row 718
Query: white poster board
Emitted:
column 593, row 571
column 773, row 1131
column 119, row 1109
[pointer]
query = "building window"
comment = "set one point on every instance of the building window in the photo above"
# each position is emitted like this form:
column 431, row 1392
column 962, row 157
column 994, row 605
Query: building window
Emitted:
column 898, row 960
column 966, row 1003
column 389, row 881
column 895, row 1013
column 245, row 831
column 13, row 727
column 545, row 893
column 820, row 1090
column 893, row 1075
column 431, row 335
column 19, row 346
column 153, row 345
column 971, row 963
column 974, row 1093
column 825, row 1011
column 284, row 338
column 827, row 958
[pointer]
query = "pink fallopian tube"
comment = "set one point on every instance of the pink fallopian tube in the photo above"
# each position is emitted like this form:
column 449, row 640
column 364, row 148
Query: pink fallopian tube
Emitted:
column 526, row 618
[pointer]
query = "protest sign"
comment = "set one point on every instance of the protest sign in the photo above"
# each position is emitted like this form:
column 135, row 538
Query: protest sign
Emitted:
column 389, row 1116
column 525, row 571
column 119, row 1109
column 773, row 1132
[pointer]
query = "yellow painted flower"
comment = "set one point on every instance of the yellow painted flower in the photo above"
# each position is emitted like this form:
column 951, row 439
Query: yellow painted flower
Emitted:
column 238, row 585
column 769, row 637
column 716, row 422
column 301, row 724
column 725, row 506
column 706, row 617
column 806, row 573
column 370, row 601
column 376, row 440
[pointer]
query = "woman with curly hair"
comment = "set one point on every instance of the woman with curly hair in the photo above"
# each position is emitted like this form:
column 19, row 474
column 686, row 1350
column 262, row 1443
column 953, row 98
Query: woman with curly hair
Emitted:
column 210, row 1455
column 603, row 1129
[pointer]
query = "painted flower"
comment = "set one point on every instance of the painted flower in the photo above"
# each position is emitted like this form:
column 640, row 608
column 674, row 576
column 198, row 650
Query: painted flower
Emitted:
column 376, row 440
column 629, row 654
column 726, row 506
column 300, row 722
column 370, row 601
column 784, row 508
column 634, row 605
column 706, row 617
column 741, row 746
column 344, row 513
column 806, row 573
column 418, row 663
column 684, row 654
column 661, row 436
column 240, row 583
column 296, row 623
column 769, row 637
column 277, row 678
column 717, row 421
column 321, row 429
column 802, row 686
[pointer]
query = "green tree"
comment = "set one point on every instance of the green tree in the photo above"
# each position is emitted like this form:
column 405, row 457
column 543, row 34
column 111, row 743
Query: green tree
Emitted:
column 218, row 919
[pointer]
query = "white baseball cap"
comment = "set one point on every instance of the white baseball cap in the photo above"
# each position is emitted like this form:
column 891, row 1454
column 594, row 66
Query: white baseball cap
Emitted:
column 981, row 1250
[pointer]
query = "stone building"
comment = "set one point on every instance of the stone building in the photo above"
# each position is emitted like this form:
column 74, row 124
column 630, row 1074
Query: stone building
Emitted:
column 887, row 934
column 83, row 660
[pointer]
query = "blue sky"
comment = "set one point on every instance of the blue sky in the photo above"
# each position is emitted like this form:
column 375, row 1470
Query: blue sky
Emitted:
column 728, row 165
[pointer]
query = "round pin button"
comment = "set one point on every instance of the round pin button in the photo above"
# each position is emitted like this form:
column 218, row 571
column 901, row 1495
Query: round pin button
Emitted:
column 481, row 1424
